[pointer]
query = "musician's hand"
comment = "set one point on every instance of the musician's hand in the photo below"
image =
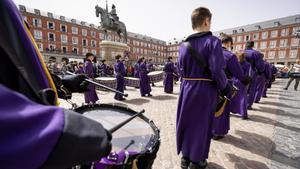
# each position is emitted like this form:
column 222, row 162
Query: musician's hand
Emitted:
column 247, row 80
column 227, row 91
column 75, row 84
column 109, row 145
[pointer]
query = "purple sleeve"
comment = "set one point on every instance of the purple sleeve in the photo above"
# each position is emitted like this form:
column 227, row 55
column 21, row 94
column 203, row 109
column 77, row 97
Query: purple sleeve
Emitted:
column 235, row 68
column 29, row 131
column 217, row 64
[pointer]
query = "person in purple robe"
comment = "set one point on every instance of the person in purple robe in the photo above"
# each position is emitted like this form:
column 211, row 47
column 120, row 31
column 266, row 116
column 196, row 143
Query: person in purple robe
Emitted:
column 262, row 80
column 90, row 96
column 150, row 68
column 274, row 71
column 256, row 61
column 239, row 102
column 168, row 79
column 80, row 68
column 268, row 75
column 136, row 70
column 145, row 88
column 34, row 132
column 120, row 73
column 199, row 91
column 104, row 69
column 233, row 69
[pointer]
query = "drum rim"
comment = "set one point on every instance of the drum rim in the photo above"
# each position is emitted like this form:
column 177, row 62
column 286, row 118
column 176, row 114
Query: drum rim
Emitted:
column 154, row 139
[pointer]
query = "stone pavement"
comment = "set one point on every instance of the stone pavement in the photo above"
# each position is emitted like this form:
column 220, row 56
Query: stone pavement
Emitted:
column 269, row 139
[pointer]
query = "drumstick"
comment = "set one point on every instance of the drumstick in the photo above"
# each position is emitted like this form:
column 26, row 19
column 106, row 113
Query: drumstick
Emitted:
column 117, row 127
column 131, row 142
column 101, row 85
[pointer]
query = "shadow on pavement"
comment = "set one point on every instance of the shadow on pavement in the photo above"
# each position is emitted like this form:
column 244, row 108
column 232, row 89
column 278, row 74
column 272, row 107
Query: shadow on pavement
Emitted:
column 282, row 158
column 251, row 142
column 264, row 120
column 278, row 104
column 212, row 165
column 138, row 101
column 163, row 97
column 276, row 111
column 243, row 163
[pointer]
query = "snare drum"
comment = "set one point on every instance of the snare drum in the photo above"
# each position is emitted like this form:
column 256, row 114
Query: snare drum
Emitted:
column 134, row 145
column 107, row 81
column 156, row 76
column 132, row 82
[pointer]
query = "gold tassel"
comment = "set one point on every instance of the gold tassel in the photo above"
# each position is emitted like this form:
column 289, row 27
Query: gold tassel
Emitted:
column 134, row 164
column 220, row 112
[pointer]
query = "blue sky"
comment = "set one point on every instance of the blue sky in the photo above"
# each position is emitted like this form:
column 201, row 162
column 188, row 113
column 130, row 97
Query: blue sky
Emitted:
column 168, row 19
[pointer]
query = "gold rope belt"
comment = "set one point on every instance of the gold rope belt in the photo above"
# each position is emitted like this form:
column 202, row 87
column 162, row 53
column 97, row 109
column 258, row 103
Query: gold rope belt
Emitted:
column 197, row 79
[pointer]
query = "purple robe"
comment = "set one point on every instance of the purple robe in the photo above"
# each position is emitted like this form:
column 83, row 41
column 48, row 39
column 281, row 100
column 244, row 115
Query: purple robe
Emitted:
column 90, row 96
column 144, row 79
column 233, row 68
column 80, row 70
column 104, row 70
column 120, row 73
column 240, row 101
column 198, row 99
column 168, row 79
column 257, row 63
column 136, row 70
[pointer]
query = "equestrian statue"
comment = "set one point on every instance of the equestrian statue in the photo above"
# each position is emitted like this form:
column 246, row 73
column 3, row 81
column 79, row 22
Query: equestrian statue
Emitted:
column 110, row 21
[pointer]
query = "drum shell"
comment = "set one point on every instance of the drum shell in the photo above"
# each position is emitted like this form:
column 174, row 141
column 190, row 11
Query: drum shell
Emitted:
column 107, row 81
column 156, row 76
column 132, row 82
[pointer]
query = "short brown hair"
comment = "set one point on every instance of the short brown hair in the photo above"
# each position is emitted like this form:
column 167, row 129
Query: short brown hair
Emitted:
column 199, row 15
column 226, row 38
column 241, row 56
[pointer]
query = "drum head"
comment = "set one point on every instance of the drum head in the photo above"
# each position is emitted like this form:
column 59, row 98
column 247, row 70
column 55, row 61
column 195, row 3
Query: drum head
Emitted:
column 105, row 78
column 135, row 136
column 155, row 73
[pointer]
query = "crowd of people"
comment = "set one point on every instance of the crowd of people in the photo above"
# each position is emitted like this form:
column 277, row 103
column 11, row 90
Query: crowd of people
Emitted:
column 212, row 74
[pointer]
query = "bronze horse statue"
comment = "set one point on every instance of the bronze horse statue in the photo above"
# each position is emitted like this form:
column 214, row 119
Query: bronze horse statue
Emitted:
column 109, row 22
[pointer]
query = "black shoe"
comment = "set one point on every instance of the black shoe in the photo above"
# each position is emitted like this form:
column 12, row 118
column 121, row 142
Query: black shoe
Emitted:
column 265, row 96
column 149, row 95
column 120, row 99
column 285, row 88
column 245, row 118
column 200, row 165
column 256, row 102
column 143, row 95
column 185, row 162
column 249, row 108
column 217, row 137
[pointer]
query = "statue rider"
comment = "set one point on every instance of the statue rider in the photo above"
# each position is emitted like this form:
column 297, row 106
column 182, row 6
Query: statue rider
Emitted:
column 113, row 13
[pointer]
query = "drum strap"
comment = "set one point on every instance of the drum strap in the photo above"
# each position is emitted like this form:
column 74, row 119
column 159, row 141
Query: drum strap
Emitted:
column 197, row 79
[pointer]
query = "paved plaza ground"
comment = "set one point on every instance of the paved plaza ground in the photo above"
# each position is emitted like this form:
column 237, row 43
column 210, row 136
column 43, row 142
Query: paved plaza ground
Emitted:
column 269, row 139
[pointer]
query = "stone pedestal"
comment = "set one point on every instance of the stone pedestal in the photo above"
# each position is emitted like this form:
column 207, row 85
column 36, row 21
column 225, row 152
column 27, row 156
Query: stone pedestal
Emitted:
column 110, row 49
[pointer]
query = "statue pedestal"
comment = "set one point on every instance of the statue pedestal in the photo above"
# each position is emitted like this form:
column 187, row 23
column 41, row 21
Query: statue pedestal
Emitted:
column 110, row 49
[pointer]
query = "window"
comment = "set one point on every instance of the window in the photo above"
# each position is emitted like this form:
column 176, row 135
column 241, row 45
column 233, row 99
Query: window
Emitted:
column 263, row 45
column 38, row 34
column 63, row 28
column 52, row 47
column 246, row 38
column 281, row 54
column 64, row 49
column 295, row 42
column 84, row 32
column 74, row 40
column 239, row 39
column 255, row 45
column 51, row 25
column 264, row 35
column 108, row 37
column 293, row 53
column 94, row 52
column 64, row 38
column 37, row 22
column 295, row 29
column 75, row 51
column 274, row 34
column 101, row 36
column 271, row 55
column 283, row 43
column 74, row 30
column 285, row 32
column 84, row 51
column 93, row 43
column 272, row 44
column 51, row 37
column 40, row 46
column 93, row 34
column 256, row 36
column 84, row 42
